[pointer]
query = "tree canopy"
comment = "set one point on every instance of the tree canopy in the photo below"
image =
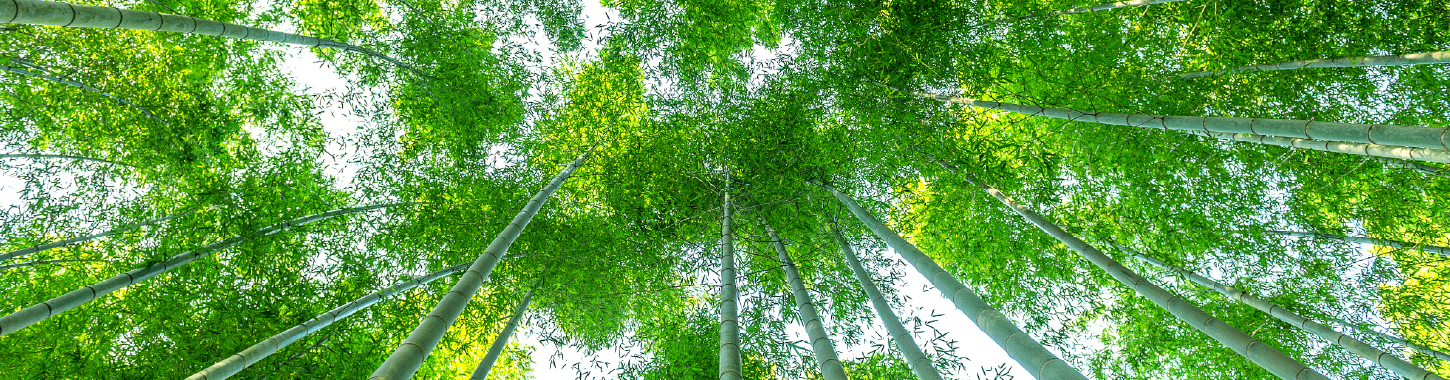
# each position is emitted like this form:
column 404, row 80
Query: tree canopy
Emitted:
column 1180, row 131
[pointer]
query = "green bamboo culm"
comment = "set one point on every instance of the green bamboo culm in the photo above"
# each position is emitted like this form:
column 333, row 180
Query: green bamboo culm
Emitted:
column 1375, row 61
column 43, row 247
column 821, row 346
column 915, row 359
column 55, row 13
column 1111, row 6
column 1433, row 249
column 39, row 312
column 1396, row 135
column 502, row 340
column 241, row 360
column 1374, row 355
column 730, row 365
column 409, row 356
column 1265, row 356
column 1039, row 362
column 1358, row 149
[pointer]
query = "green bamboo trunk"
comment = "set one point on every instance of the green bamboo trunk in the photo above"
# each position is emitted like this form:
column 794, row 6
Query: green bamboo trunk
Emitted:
column 502, row 340
column 409, row 356
column 1382, row 60
column 236, row 363
column 920, row 365
column 1271, row 359
column 1111, row 6
column 1425, row 350
column 1397, row 135
column 1361, row 149
column 40, row 12
column 729, row 308
column 1381, row 358
column 1438, row 250
column 39, row 312
column 1039, row 362
column 821, row 346
column 43, row 247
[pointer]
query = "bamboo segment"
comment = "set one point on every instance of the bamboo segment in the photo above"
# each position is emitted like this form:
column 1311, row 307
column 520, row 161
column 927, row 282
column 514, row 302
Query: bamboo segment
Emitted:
column 239, row 361
column 1381, row 358
column 36, row 313
column 1397, row 135
column 495, row 350
column 1442, row 251
column 1039, row 362
column 1269, row 358
column 920, row 365
column 40, row 248
column 821, row 346
column 409, row 356
column 1382, row 60
column 1372, row 150
column 1425, row 350
column 730, row 366
column 1109, row 6
column 41, row 12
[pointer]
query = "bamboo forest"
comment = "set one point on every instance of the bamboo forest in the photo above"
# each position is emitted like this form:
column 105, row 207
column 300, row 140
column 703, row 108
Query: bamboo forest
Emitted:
column 725, row 189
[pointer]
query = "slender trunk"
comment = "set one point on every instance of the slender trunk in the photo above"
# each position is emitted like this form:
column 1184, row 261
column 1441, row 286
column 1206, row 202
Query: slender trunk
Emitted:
column 1425, row 350
column 1373, row 150
column 1383, row 60
column 236, row 363
column 39, row 248
column 1363, row 349
column 41, row 12
column 729, row 310
column 36, row 313
column 33, row 70
column 42, row 262
column 1110, row 6
column 405, row 360
column 1276, row 362
column 486, row 365
column 29, row 155
column 1442, row 251
column 1039, row 362
column 821, row 344
column 1398, row 135
column 920, row 365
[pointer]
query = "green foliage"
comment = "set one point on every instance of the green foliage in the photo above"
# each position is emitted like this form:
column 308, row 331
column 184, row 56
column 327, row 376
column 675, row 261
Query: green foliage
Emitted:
column 676, row 104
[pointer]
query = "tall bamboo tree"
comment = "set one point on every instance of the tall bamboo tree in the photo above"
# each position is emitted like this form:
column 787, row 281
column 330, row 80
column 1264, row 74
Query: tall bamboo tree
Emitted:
column 502, row 340
column 39, row 312
column 42, row 247
column 1276, row 362
column 1438, row 250
column 41, row 12
column 1375, row 61
column 1374, row 355
column 241, row 360
column 1038, row 361
column 405, row 360
column 729, row 308
column 821, row 346
column 1396, row 135
column 919, row 363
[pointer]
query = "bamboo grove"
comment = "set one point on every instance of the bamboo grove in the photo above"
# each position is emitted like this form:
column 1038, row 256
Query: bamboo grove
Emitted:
column 724, row 189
